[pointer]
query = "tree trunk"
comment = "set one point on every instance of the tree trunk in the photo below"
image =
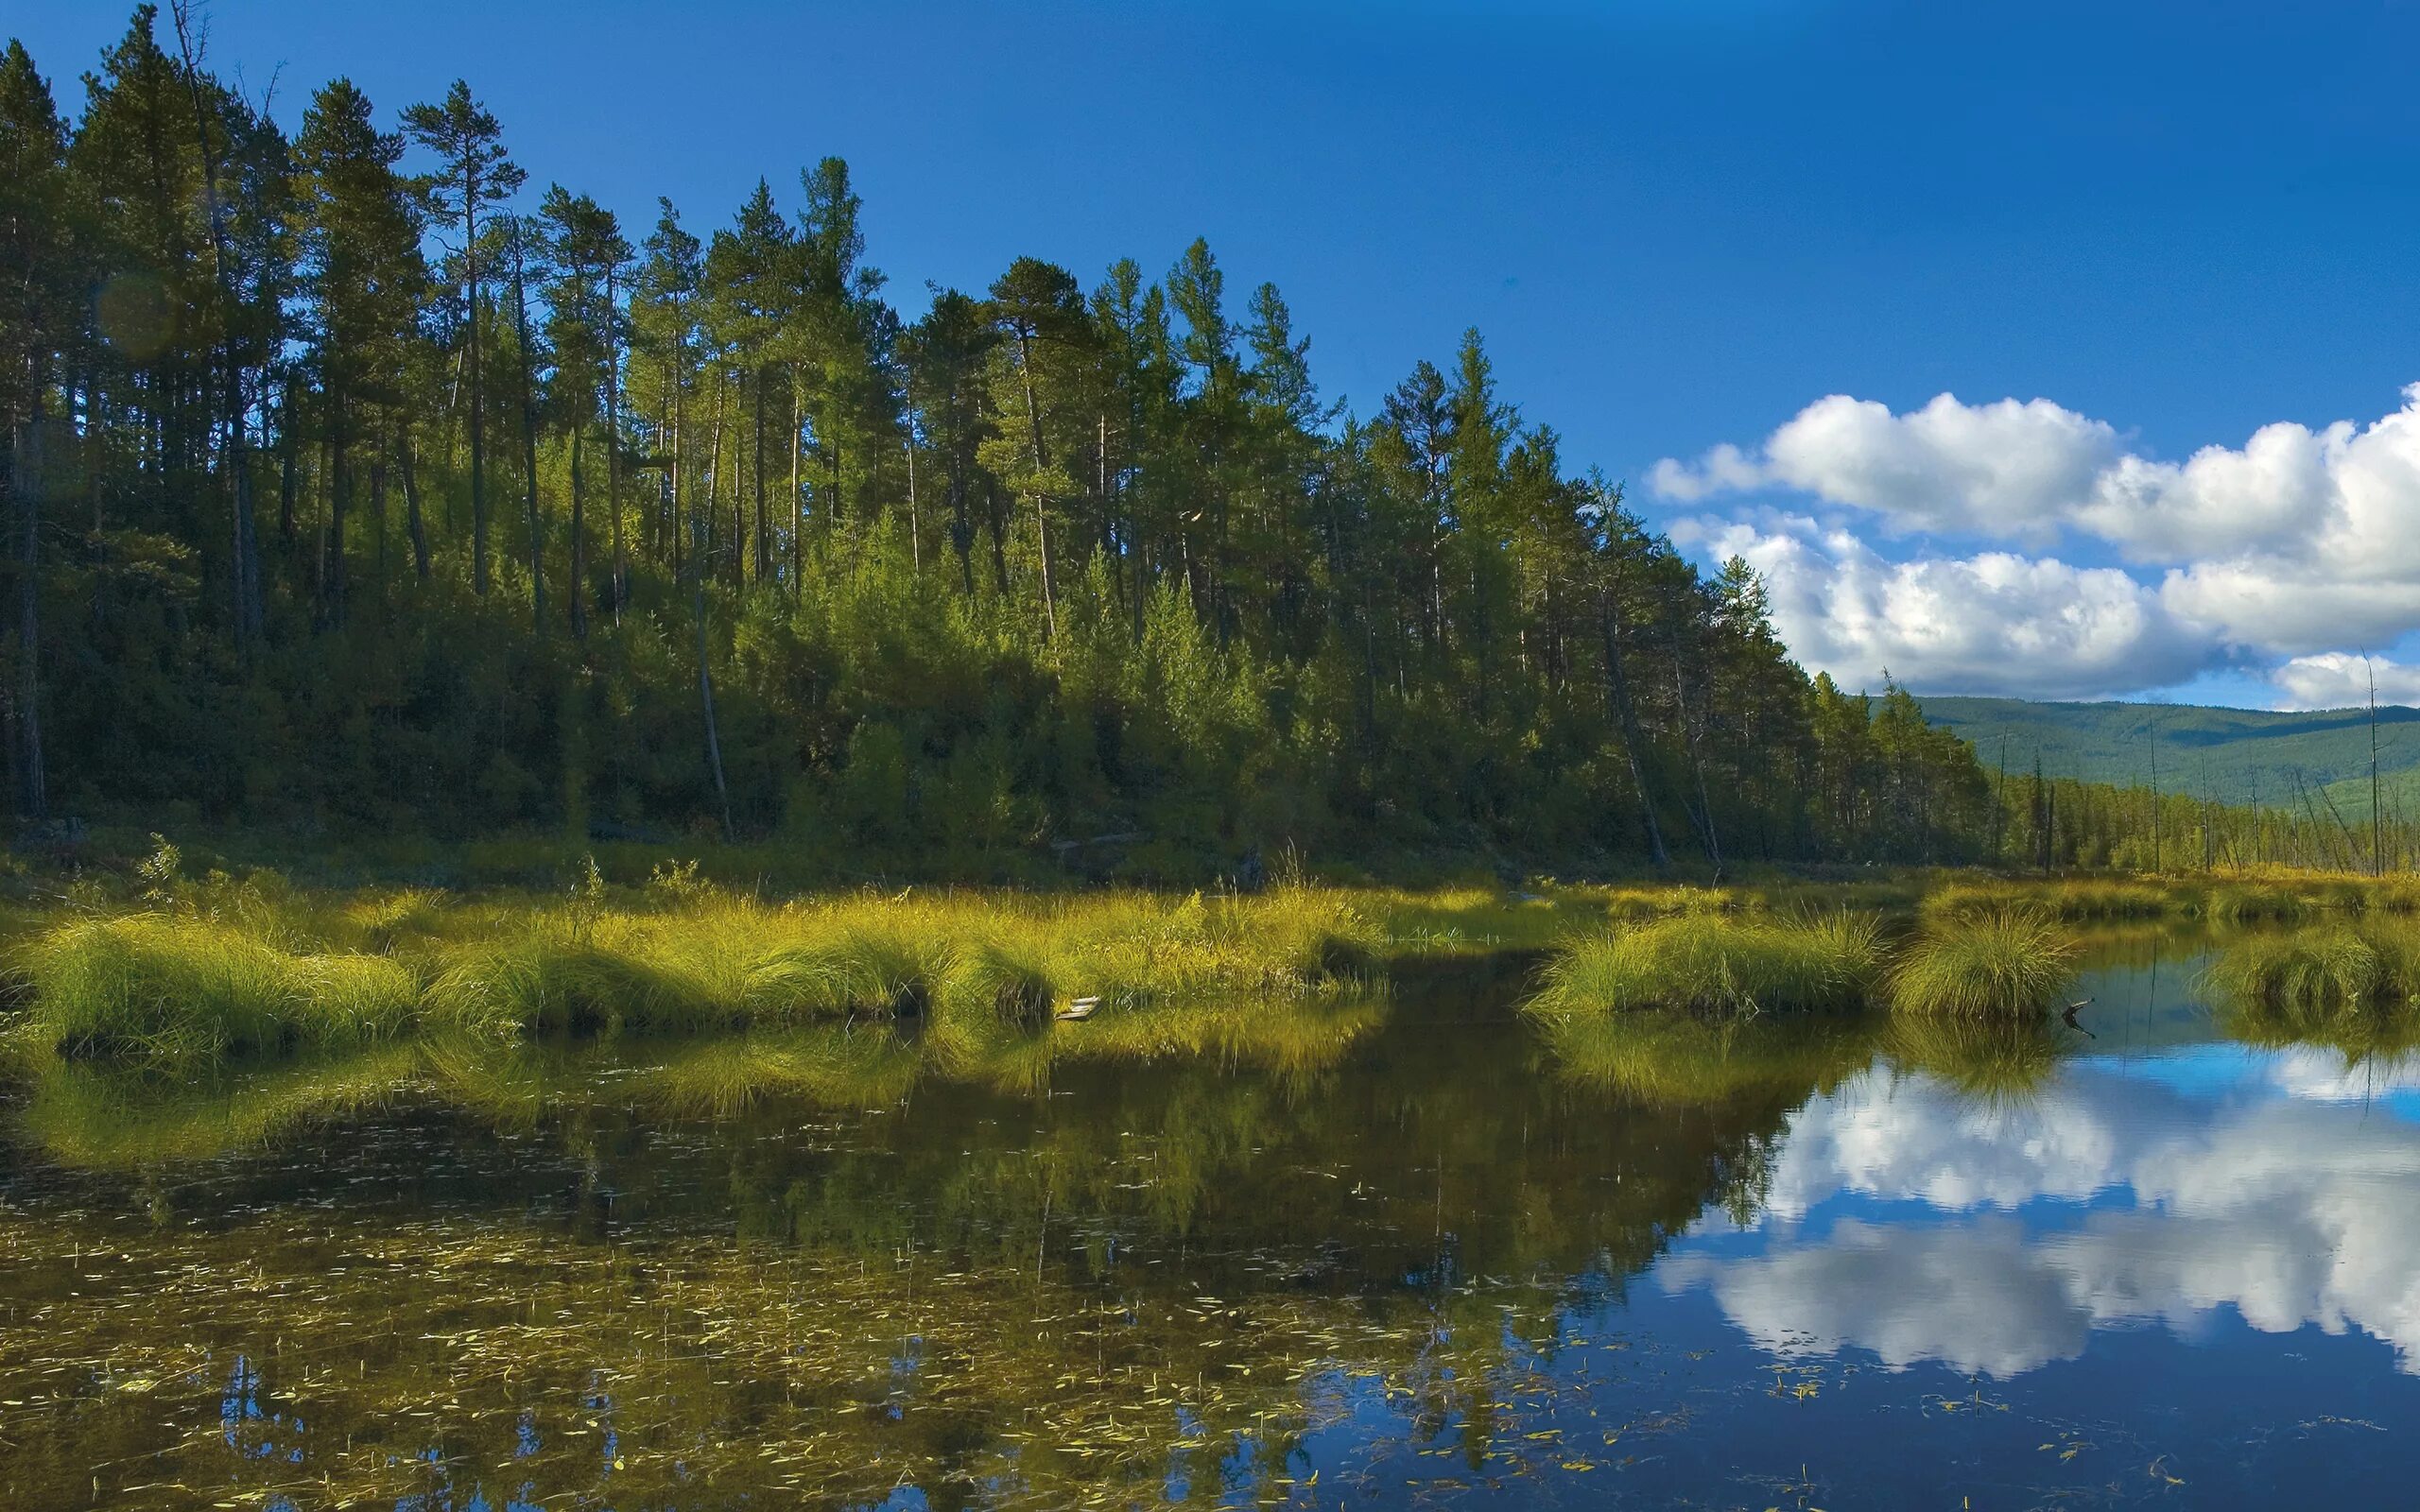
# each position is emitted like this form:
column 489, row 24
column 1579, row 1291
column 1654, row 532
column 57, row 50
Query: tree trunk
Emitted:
column 705, row 675
column 25, row 482
column 1042, row 524
column 798, row 509
column 479, row 378
column 576, row 590
column 412, row 520
column 613, row 451
column 764, row 529
column 340, row 503
column 1626, row 721
column 530, row 446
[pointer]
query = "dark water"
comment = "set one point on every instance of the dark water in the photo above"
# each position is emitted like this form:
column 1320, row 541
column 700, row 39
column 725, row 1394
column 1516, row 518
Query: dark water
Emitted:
column 1404, row 1254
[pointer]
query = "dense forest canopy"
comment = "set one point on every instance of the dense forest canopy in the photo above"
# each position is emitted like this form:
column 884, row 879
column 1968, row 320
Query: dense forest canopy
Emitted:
column 357, row 483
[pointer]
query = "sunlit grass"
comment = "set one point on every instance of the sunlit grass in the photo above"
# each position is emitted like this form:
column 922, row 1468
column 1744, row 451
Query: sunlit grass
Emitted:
column 2071, row 899
column 2309, row 977
column 2006, row 963
column 166, row 988
column 1718, row 965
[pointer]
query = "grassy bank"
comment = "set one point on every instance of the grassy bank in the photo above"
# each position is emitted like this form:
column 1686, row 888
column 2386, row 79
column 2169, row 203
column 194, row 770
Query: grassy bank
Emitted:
column 172, row 960
column 243, row 969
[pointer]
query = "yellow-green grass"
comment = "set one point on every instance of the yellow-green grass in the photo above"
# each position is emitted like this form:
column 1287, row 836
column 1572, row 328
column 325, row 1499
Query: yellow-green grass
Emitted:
column 2074, row 900
column 1718, row 965
column 163, row 986
column 252, row 975
column 2001, row 963
column 2307, row 977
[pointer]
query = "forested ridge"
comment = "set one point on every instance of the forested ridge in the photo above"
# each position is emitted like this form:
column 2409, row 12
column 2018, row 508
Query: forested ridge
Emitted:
column 357, row 483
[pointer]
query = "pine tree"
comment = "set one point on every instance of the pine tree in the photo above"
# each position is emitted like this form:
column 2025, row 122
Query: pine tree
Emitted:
column 474, row 174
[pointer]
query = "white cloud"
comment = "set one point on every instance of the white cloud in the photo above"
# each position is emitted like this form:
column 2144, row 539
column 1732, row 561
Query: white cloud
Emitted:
column 2299, row 542
column 2339, row 679
column 2003, row 469
column 1996, row 622
column 2297, row 1204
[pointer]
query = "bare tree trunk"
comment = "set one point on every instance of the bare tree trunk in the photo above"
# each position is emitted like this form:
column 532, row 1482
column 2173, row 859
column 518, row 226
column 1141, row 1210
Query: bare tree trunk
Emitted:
column 613, row 450
column 1626, row 721
column 529, row 445
column 378, row 523
column 413, row 523
column 705, row 675
column 764, row 528
column 798, row 508
column 576, row 590
column 1042, row 524
column 25, row 482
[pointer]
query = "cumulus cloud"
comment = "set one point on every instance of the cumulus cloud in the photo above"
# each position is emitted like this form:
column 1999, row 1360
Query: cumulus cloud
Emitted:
column 2299, row 542
column 2292, row 1201
column 2339, row 680
column 1996, row 622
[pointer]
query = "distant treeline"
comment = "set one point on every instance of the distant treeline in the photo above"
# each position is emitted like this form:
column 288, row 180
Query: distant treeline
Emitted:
column 2058, row 824
column 356, row 484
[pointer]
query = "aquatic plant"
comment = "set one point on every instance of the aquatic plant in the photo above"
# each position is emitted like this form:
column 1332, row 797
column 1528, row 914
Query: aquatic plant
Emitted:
column 2071, row 899
column 2313, row 975
column 2002, row 963
column 1717, row 965
column 166, row 987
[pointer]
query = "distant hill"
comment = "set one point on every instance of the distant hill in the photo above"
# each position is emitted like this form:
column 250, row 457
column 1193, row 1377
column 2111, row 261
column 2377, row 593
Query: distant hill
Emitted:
column 2226, row 752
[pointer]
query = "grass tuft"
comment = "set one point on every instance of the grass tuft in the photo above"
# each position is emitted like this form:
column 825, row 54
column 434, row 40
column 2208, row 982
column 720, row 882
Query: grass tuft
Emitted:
column 2001, row 963
column 1718, row 965
column 2312, row 976
column 161, row 986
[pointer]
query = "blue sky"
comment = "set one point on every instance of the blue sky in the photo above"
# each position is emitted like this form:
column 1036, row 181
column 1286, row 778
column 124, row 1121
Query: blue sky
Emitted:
column 1679, row 225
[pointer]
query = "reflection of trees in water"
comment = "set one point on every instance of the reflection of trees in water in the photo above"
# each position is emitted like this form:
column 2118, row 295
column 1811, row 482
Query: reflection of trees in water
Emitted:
column 1173, row 1243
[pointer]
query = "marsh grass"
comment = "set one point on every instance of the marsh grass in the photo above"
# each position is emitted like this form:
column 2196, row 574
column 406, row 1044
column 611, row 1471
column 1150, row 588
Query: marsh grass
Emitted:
column 1718, row 965
column 2001, row 963
column 2072, row 900
column 161, row 987
column 240, row 971
column 2310, row 978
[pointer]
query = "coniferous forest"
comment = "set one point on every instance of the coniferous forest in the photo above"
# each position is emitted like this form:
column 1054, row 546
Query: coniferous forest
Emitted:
column 358, row 480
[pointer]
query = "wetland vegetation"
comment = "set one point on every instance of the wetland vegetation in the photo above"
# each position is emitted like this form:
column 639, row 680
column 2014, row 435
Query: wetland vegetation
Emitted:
column 997, row 902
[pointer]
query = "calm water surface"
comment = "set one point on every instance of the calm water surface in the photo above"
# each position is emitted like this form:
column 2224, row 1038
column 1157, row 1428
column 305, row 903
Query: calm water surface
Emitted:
column 1387, row 1255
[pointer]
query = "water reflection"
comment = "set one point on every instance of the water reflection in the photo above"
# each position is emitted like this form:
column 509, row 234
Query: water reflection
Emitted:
column 1390, row 1250
column 1904, row 1221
